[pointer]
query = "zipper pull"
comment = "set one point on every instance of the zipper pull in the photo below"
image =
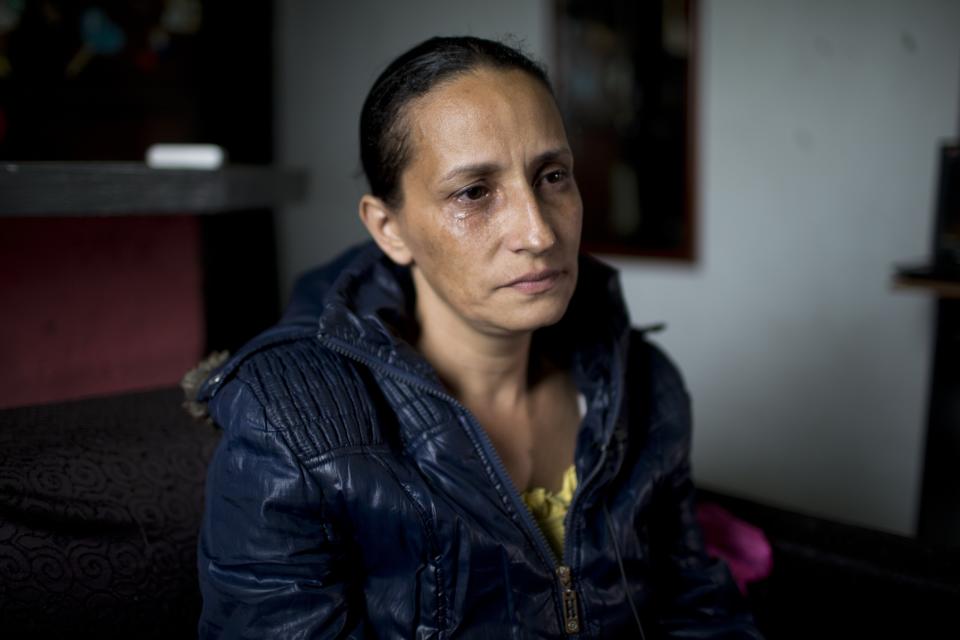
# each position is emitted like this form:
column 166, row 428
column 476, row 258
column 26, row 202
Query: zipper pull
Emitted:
column 571, row 619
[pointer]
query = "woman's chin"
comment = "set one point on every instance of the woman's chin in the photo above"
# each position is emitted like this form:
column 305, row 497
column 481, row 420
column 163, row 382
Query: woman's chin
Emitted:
column 530, row 315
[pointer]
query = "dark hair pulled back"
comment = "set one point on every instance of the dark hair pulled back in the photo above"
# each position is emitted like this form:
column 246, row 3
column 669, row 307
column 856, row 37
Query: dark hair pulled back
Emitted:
column 384, row 147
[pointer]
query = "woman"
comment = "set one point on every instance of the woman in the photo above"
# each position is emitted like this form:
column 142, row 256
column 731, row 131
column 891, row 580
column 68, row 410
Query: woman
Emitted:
column 453, row 431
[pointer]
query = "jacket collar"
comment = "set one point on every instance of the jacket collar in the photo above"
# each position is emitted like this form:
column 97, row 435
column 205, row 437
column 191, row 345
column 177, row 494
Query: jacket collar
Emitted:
column 361, row 302
column 371, row 302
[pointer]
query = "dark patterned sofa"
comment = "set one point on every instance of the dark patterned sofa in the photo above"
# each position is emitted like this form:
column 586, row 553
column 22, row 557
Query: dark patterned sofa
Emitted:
column 100, row 501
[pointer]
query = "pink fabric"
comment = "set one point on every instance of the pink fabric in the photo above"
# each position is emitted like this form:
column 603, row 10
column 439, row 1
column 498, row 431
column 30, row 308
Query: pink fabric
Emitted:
column 95, row 306
column 741, row 545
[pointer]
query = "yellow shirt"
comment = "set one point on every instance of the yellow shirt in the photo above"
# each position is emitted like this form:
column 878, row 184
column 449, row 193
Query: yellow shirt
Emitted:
column 549, row 509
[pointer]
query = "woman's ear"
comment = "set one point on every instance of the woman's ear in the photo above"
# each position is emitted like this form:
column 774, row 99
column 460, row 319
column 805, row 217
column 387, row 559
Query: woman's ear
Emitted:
column 381, row 221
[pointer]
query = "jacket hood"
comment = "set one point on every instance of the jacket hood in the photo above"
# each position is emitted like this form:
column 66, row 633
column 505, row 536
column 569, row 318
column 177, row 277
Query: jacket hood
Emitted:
column 362, row 301
column 371, row 303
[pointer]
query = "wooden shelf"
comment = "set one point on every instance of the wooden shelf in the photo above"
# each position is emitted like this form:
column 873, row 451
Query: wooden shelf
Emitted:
column 132, row 188
column 941, row 288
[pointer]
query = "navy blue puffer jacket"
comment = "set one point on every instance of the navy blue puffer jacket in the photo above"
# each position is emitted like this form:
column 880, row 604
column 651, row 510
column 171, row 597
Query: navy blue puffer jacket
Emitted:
column 352, row 496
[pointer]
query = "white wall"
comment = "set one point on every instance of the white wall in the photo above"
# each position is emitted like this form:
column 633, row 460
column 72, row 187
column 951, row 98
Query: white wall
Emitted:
column 820, row 123
column 819, row 128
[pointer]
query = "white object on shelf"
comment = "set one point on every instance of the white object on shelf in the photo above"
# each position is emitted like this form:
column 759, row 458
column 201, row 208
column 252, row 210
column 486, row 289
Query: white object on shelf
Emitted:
column 185, row 156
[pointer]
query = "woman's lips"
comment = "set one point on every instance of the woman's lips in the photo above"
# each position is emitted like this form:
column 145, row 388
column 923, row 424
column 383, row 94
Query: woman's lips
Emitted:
column 536, row 281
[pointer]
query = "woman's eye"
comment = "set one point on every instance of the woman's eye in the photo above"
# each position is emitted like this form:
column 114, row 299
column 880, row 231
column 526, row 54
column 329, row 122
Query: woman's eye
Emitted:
column 474, row 193
column 555, row 176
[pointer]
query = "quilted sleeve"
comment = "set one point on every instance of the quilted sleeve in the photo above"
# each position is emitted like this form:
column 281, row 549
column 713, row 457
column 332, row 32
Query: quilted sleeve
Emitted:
column 271, row 562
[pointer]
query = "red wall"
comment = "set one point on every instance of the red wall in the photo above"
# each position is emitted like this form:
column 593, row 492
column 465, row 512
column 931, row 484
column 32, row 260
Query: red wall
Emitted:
column 92, row 306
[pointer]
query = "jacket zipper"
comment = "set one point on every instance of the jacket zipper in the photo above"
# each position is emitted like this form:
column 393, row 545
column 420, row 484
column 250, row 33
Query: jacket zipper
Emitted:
column 568, row 594
column 571, row 618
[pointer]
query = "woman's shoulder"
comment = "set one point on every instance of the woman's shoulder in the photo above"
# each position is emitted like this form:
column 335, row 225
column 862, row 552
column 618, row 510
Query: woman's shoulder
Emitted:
column 298, row 386
column 656, row 389
column 649, row 360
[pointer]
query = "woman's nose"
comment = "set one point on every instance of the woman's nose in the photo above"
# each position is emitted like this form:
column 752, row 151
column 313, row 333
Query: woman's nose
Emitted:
column 529, row 228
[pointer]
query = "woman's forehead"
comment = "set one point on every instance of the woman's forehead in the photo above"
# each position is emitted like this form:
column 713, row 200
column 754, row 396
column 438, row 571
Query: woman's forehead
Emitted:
column 484, row 115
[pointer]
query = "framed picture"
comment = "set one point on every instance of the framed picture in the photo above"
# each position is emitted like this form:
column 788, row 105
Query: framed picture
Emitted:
column 624, row 73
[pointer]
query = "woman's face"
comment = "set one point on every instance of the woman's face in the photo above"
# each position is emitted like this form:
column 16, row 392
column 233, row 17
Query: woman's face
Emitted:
column 491, row 214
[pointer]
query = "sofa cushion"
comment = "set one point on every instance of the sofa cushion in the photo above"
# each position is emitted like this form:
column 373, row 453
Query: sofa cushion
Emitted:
column 100, row 502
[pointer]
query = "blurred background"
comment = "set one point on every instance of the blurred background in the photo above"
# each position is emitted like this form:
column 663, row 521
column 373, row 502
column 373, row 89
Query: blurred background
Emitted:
column 819, row 126
column 812, row 135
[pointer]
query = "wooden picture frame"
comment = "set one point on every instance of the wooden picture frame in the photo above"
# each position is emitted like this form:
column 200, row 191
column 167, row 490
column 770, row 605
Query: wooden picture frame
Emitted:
column 625, row 82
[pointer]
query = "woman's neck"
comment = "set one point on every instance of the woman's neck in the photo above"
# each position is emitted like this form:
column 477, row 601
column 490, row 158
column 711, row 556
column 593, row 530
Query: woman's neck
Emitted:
column 479, row 368
column 527, row 408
